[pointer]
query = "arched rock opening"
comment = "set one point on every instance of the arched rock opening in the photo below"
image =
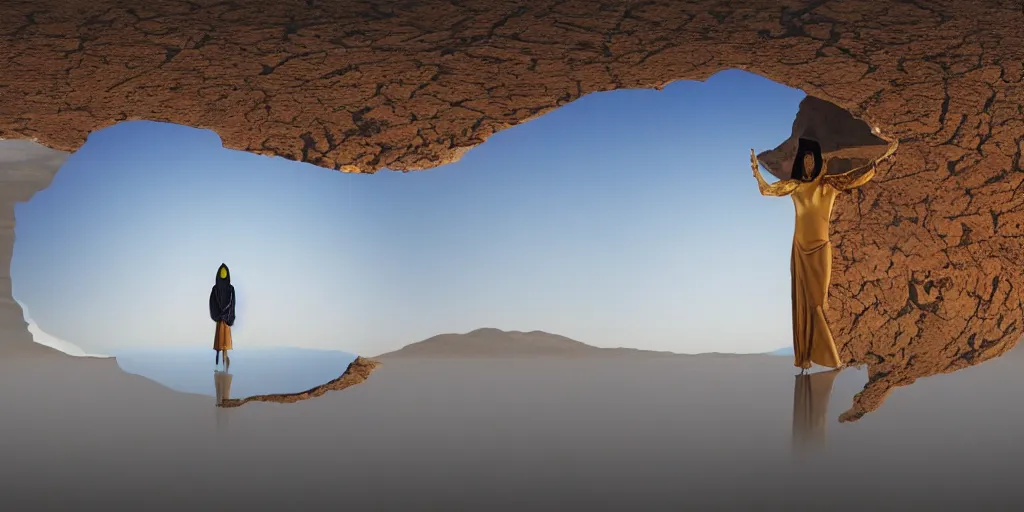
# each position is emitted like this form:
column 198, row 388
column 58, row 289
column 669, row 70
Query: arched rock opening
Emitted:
column 926, row 258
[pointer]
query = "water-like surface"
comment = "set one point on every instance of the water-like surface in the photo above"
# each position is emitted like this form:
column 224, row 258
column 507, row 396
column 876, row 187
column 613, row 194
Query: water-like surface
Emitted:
column 538, row 435
column 253, row 371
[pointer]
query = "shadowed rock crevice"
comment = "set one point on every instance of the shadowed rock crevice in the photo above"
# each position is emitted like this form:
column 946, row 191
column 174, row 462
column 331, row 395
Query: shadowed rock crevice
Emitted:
column 356, row 373
column 926, row 257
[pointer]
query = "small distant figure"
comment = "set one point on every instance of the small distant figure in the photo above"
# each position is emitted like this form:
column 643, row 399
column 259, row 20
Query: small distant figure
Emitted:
column 814, row 194
column 222, row 311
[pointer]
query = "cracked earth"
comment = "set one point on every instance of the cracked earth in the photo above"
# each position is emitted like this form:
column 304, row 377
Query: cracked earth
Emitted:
column 356, row 373
column 926, row 273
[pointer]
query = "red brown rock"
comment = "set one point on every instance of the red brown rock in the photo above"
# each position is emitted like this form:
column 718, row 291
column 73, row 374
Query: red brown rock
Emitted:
column 356, row 373
column 927, row 257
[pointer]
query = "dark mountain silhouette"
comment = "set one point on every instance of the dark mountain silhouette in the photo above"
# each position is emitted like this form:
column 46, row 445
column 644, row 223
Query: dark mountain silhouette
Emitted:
column 490, row 342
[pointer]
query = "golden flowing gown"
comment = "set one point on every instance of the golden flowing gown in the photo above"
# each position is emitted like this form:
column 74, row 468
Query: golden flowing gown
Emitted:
column 222, row 336
column 811, row 261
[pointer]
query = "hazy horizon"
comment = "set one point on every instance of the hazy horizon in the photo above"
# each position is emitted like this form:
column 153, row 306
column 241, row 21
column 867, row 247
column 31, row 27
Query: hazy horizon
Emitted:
column 44, row 338
column 626, row 218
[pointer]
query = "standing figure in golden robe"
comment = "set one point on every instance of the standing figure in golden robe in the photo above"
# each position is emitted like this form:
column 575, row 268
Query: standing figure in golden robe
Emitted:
column 222, row 312
column 814, row 195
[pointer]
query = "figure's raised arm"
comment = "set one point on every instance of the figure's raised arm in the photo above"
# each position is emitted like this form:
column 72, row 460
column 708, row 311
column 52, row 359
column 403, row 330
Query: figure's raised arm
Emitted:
column 853, row 179
column 777, row 189
column 850, row 180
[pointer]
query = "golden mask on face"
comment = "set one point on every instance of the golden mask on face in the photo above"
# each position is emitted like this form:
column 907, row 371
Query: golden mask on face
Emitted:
column 223, row 272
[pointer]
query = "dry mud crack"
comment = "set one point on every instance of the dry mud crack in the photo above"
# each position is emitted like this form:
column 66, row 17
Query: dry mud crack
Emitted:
column 927, row 271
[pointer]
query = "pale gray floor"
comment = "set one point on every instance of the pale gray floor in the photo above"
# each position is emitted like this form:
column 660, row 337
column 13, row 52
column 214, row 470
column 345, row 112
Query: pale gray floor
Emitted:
column 668, row 434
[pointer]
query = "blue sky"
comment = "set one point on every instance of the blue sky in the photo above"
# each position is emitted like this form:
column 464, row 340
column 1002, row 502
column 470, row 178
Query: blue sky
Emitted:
column 626, row 218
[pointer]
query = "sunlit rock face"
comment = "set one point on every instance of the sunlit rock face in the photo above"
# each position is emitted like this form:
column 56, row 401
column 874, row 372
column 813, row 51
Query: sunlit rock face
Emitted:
column 927, row 257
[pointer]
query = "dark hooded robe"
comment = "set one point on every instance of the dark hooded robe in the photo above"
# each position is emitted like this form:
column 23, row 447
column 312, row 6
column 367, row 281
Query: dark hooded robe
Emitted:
column 222, row 309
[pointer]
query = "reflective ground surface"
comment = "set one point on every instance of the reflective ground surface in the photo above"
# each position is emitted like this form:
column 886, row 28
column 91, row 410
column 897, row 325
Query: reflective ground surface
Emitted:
column 257, row 371
column 714, row 433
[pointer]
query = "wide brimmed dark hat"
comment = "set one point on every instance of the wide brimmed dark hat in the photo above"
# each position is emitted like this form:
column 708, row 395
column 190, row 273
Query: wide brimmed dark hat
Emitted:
column 847, row 142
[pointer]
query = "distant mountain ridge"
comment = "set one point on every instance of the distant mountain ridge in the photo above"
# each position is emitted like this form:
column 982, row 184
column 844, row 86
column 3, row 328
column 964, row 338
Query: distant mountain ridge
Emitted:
column 491, row 342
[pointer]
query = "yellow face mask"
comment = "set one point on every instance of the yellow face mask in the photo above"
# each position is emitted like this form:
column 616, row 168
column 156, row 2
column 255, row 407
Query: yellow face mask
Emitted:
column 223, row 272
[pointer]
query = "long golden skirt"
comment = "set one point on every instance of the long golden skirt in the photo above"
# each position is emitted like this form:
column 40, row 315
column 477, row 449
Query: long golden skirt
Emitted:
column 811, row 269
column 222, row 337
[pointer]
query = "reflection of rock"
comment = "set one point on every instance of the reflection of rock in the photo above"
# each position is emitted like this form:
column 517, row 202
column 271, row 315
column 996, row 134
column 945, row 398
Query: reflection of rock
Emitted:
column 358, row 371
column 846, row 142
column 811, row 393
column 925, row 256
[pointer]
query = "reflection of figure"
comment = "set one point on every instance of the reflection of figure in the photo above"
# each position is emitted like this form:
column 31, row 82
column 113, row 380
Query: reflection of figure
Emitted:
column 222, row 311
column 222, row 385
column 813, row 195
column 810, row 405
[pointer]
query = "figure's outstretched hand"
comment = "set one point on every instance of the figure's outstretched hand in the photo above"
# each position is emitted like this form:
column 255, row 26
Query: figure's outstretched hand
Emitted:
column 753, row 163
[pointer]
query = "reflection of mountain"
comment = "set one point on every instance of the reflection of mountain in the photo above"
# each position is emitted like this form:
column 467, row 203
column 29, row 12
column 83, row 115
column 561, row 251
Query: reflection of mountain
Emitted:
column 811, row 393
column 489, row 342
column 43, row 338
